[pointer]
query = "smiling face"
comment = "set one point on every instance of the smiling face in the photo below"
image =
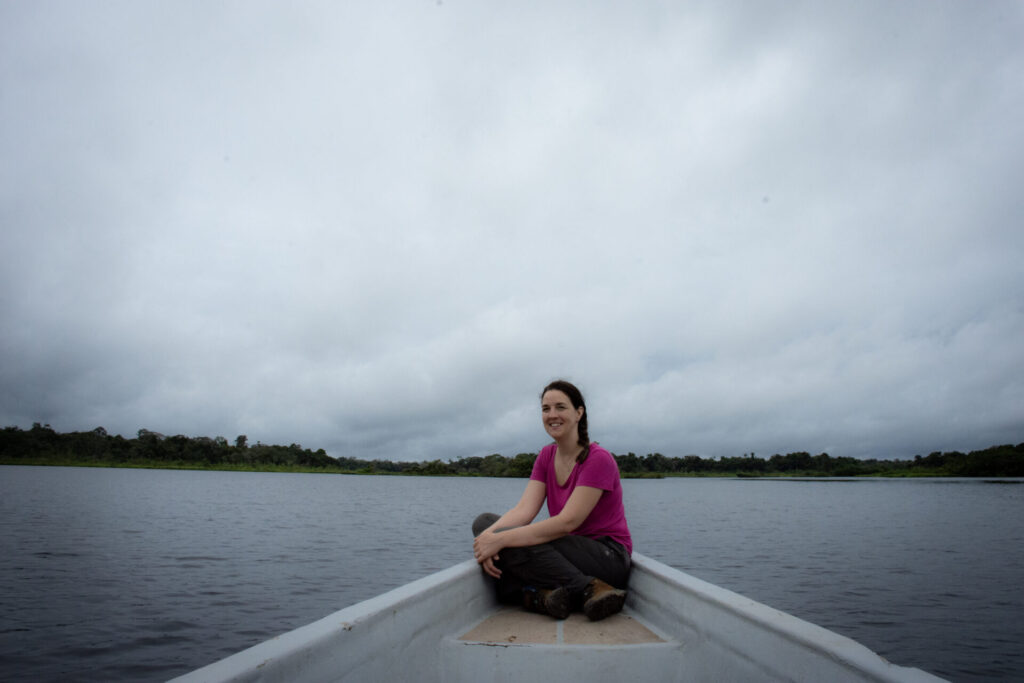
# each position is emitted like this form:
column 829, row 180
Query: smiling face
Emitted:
column 559, row 416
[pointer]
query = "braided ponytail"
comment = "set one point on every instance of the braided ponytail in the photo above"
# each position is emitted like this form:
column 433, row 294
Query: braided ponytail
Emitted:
column 576, row 398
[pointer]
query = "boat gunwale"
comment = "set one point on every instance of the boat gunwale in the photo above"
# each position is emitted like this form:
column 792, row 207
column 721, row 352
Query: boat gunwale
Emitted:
column 697, row 618
column 278, row 653
column 768, row 622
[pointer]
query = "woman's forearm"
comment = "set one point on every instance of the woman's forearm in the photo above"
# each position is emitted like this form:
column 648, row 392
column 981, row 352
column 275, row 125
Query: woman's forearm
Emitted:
column 504, row 534
column 536, row 533
column 523, row 512
column 576, row 510
column 512, row 518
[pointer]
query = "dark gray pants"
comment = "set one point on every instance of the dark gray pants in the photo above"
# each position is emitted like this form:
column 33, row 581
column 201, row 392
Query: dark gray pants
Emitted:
column 570, row 561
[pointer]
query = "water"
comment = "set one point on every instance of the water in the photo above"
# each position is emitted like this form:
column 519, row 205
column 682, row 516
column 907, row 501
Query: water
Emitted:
column 141, row 575
column 925, row 572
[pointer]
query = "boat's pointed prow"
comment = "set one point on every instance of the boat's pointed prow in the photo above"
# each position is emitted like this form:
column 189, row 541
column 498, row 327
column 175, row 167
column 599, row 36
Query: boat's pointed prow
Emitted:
column 448, row 627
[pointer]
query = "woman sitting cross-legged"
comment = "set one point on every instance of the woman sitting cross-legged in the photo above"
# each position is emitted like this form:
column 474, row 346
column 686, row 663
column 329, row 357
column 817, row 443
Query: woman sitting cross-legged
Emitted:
column 580, row 556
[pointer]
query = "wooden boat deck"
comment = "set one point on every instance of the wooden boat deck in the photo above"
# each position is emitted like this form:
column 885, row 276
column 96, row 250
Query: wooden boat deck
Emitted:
column 513, row 625
column 511, row 644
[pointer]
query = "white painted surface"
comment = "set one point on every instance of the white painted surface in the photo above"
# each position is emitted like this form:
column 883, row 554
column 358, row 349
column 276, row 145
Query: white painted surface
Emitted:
column 392, row 637
column 410, row 634
column 727, row 637
column 464, row 662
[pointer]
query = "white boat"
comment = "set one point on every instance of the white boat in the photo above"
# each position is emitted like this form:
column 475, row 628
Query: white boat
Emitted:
column 448, row 627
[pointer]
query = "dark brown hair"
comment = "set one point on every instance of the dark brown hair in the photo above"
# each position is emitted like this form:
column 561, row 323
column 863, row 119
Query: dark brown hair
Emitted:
column 576, row 398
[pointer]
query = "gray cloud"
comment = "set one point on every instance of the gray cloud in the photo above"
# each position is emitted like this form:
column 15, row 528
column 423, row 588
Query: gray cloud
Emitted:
column 380, row 230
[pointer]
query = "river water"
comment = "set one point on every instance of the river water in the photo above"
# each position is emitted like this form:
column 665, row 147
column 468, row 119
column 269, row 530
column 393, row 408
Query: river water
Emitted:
column 141, row 575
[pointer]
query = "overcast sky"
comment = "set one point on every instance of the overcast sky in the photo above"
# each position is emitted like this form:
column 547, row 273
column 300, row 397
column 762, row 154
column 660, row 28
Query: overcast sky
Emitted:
column 381, row 228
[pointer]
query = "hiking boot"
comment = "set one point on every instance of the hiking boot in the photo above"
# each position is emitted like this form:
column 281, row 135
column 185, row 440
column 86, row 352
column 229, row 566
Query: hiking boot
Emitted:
column 551, row 601
column 601, row 600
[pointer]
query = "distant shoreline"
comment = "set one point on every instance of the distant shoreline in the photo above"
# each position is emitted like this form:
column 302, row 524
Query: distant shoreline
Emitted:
column 43, row 446
column 293, row 469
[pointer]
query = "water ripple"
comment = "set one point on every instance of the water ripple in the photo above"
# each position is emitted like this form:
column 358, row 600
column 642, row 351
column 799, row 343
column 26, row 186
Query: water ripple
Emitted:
column 186, row 568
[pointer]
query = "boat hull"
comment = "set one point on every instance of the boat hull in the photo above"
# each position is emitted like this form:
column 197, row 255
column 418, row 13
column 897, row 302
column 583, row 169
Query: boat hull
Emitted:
column 414, row 632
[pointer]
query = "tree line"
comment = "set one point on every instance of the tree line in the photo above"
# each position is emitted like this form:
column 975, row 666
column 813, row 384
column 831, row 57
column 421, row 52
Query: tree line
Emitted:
column 995, row 461
column 41, row 445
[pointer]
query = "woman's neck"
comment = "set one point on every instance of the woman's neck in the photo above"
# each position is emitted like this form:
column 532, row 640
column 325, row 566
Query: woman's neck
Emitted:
column 568, row 446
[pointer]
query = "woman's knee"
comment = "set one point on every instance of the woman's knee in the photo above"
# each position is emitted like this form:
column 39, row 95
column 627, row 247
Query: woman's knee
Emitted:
column 483, row 521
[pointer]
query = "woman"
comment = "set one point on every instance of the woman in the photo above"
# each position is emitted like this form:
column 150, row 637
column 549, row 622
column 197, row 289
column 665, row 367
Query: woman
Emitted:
column 580, row 555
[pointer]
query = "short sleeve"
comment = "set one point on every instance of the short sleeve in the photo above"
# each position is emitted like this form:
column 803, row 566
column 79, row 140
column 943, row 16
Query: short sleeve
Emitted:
column 599, row 470
column 541, row 465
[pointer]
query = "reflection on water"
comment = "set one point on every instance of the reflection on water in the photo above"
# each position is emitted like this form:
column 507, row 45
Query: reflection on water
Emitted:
column 142, row 575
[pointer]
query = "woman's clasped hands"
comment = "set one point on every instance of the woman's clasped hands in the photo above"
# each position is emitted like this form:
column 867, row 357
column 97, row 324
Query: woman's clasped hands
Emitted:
column 485, row 550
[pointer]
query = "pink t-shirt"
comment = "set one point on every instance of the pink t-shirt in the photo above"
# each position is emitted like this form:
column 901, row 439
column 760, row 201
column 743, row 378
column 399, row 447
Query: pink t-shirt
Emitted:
column 599, row 470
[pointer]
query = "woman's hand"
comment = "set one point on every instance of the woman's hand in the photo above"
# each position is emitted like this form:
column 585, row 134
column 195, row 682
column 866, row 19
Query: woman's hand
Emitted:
column 489, row 567
column 485, row 550
column 488, row 544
